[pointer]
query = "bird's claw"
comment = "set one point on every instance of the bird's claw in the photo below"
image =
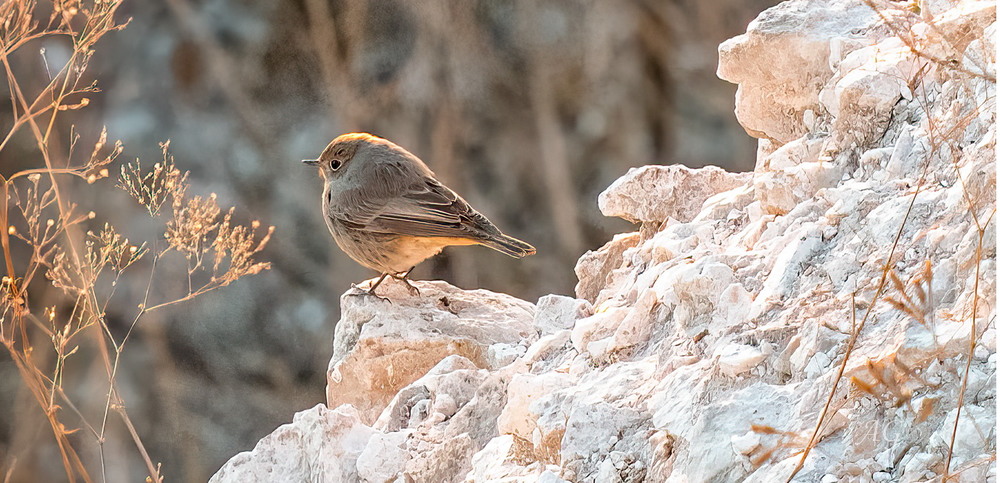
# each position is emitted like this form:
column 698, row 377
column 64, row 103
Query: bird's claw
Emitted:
column 359, row 292
column 410, row 287
column 414, row 291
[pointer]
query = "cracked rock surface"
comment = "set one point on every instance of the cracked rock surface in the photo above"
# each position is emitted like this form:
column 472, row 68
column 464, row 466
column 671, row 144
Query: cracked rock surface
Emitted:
column 704, row 346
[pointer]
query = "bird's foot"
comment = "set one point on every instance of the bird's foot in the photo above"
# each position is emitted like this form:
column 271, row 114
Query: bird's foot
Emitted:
column 414, row 291
column 360, row 292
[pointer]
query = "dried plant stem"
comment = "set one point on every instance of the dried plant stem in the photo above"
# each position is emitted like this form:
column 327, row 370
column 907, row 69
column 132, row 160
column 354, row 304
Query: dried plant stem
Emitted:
column 36, row 386
column 22, row 357
column 972, row 336
column 935, row 143
column 75, row 261
column 903, row 34
column 856, row 332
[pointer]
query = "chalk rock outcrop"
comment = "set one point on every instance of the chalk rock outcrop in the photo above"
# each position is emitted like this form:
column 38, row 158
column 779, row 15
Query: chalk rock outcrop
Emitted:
column 654, row 194
column 784, row 60
column 842, row 301
column 319, row 445
column 382, row 345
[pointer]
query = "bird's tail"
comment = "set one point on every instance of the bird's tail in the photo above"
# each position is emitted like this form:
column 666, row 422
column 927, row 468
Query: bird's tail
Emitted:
column 508, row 245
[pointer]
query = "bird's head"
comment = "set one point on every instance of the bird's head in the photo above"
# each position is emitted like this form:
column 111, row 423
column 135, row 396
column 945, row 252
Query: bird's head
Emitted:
column 339, row 153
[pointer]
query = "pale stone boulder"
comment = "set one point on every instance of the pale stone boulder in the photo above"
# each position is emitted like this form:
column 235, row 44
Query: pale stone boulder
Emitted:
column 654, row 194
column 554, row 313
column 384, row 458
column 380, row 346
column 709, row 340
column 524, row 389
column 448, row 386
column 735, row 359
column 320, row 444
column 595, row 268
column 785, row 57
column 793, row 174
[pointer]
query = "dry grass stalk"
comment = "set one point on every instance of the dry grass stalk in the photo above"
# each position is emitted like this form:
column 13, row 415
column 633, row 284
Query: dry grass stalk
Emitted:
column 981, row 227
column 43, row 232
column 940, row 136
column 901, row 28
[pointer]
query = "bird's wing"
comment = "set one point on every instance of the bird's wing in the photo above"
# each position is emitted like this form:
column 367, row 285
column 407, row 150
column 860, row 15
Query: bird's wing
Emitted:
column 424, row 207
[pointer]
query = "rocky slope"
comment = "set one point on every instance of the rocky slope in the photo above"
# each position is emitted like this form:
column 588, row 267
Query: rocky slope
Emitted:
column 851, row 278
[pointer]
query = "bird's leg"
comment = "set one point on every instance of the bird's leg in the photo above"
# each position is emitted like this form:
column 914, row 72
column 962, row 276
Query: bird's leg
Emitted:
column 409, row 286
column 371, row 290
column 377, row 282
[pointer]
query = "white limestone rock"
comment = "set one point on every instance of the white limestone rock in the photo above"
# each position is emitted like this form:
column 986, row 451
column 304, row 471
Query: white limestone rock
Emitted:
column 793, row 174
column 596, row 269
column 709, row 341
column 784, row 59
column 596, row 327
column 454, row 377
column 383, row 458
column 500, row 354
column 380, row 346
column 524, row 389
column 971, row 441
column 594, row 433
column 498, row 462
column 653, row 194
column 635, row 329
column 735, row 359
column 442, row 449
column 320, row 444
column 558, row 312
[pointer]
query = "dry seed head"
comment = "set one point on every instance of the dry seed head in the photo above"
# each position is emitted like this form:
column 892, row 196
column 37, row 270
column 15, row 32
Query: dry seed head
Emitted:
column 897, row 282
column 11, row 230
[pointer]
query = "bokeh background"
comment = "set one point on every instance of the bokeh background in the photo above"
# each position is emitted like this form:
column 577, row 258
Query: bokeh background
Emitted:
column 528, row 109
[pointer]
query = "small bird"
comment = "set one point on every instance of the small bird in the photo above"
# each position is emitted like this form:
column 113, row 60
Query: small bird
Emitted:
column 388, row 212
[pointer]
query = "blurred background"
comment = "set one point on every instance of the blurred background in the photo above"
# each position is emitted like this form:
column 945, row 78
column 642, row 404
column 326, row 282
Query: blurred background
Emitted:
column 528, row 109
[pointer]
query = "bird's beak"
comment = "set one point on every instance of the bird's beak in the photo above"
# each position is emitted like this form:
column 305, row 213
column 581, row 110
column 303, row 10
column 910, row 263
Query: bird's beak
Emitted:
column 311, row 162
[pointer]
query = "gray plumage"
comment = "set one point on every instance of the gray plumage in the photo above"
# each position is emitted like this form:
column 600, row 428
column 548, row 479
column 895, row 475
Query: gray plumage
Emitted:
column 387, row 211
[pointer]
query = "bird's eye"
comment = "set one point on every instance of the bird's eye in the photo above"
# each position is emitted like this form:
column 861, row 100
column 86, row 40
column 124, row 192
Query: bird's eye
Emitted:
column 335, row 164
